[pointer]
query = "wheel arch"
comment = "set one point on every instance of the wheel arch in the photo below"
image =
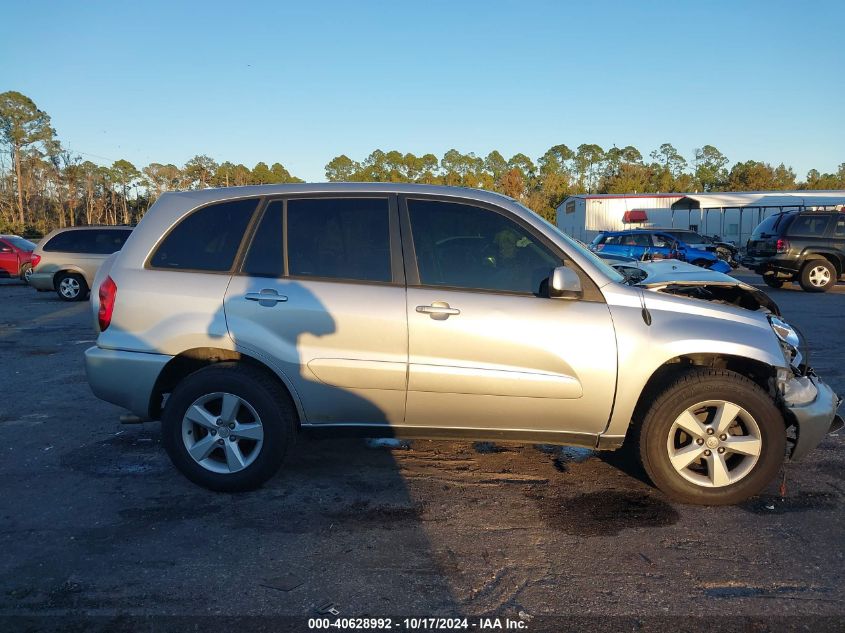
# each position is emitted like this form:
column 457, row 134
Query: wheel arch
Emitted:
column 189, row 361
column 69, row 269
column 833, row 258
column 759, row 372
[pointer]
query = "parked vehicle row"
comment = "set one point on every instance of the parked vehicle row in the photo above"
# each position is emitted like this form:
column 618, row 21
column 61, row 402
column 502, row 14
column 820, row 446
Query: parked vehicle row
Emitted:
column 644, row 244
column 806, row 246
column 239, row 317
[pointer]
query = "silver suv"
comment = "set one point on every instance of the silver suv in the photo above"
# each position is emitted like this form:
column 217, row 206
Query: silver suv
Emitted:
column 240, row 316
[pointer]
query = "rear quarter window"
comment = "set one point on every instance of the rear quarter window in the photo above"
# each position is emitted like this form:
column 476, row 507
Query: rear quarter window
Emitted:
column 809, row 225
column 69, row 242
column 207, row 239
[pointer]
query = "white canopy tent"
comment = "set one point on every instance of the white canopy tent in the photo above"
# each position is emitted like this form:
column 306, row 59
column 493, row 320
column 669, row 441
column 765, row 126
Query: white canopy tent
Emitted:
column 761, row 202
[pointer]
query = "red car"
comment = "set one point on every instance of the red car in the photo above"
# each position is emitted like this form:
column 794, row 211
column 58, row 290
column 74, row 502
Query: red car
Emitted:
column 15, row 256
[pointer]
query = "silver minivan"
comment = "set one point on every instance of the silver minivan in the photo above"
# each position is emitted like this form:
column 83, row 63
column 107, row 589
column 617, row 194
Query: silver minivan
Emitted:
column 241, row 316
column 67, row 259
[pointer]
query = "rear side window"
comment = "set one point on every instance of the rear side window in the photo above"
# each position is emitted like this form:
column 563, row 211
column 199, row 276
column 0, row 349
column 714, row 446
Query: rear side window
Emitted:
column 108, row 241
column 809, row 225
column 839, row 229
column 266, row 254
column 70, row 242
column 208, row 239
column 339, row 238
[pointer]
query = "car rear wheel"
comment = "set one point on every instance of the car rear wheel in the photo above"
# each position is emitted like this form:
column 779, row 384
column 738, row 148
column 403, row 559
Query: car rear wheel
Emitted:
column 703, row 263
column 228, row 427
column 772, row 282
column 71, row 287
column 713, row 437
column 26, row 272
column 818, row 275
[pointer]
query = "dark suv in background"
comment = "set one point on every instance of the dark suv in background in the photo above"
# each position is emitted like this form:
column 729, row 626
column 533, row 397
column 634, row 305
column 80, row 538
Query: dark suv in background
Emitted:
column 805, row 246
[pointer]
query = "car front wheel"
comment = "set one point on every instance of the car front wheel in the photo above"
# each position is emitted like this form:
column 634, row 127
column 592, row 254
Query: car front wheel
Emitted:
column 713, row 437
column 772, row 282
column 228, row 427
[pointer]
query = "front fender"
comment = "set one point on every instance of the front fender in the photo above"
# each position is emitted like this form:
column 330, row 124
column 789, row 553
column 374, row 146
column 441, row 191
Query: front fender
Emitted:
column 680, row 327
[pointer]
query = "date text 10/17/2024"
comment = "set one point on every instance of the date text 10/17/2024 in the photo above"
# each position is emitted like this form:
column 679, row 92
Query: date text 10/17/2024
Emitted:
column 420, row 624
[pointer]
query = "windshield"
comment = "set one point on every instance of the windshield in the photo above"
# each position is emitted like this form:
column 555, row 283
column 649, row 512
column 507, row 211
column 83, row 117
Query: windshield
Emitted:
column 22, row 244
column 582, row 250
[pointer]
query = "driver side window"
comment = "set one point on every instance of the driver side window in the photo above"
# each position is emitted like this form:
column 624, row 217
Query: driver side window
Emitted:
column 464, row 246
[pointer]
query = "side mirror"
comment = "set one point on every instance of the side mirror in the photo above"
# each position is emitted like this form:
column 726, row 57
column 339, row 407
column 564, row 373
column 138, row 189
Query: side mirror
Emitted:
column 564, row 284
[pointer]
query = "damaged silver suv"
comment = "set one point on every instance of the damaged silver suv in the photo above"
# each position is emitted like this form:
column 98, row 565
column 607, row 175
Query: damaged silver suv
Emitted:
column 241, row 316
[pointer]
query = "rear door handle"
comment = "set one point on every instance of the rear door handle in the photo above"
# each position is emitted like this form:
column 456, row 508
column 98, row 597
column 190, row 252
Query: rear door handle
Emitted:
column 266, row 297
column 438, row 310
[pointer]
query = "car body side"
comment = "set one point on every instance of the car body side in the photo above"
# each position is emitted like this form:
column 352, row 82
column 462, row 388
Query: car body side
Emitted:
column 166, row 323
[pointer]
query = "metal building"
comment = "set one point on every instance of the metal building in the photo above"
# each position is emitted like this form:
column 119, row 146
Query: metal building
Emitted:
column 731, row 215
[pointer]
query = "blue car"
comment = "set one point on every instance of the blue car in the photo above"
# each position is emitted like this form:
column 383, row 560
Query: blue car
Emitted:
column 651, row 244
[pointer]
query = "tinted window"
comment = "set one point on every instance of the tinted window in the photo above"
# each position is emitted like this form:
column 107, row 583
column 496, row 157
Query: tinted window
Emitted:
column 339, row 238
column 770, row 225
column 265, row 257
column 839, row 230
column 465, row 246
column 108, row 241
column 69, row 242
column 809, row 225
column 207, row 239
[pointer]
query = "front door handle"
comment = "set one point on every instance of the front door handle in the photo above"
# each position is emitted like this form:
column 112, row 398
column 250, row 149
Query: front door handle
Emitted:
column 267, row 297
column 438, row 310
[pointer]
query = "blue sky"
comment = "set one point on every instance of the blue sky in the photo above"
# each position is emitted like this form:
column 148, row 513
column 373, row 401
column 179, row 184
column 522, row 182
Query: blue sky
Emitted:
column 301, row 82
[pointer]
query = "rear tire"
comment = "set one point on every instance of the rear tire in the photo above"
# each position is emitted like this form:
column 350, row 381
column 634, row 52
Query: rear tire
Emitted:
column 703, row 263
column 195, row 422
column 818, row 275
column 26, row 271
column 734, row 461
column 773, row 282
column 71, row 287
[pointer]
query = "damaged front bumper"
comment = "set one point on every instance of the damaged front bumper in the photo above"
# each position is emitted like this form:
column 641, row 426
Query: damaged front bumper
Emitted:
column 812, row 406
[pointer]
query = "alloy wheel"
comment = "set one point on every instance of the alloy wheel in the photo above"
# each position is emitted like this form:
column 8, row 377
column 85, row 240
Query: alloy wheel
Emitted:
column 222, row 432
column 714, row 443
column 69, row 287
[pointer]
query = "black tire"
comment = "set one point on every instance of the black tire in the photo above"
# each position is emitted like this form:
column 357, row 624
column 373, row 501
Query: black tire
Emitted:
column 63, row 278
column 773, row 282
column 263, row 392
column 693, row 387
column 24, row 269
column 815, row 269
column 703, row 263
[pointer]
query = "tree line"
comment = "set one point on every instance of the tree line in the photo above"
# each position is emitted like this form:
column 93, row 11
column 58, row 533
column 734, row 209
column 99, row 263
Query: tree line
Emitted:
column 44, row 185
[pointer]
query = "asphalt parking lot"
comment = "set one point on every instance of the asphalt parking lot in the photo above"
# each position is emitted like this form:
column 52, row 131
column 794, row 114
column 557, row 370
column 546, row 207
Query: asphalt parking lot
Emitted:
column 95, row 521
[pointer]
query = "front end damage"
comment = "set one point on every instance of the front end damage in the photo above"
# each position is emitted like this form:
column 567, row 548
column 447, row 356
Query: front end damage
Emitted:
column 808, row 404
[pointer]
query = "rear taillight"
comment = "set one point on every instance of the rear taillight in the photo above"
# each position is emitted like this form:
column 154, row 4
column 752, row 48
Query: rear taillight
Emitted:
column 35, row 260
column 108, row 293
column 782, row 245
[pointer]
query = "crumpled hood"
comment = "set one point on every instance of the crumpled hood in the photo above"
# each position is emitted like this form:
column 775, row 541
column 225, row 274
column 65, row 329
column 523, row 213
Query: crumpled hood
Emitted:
column 683, row 279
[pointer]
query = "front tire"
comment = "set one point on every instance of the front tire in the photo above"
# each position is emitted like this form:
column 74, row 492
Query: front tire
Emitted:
column 772, row 282
column 712, row 437
column 818, row 275
column 71, row 287
column 228, row 427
